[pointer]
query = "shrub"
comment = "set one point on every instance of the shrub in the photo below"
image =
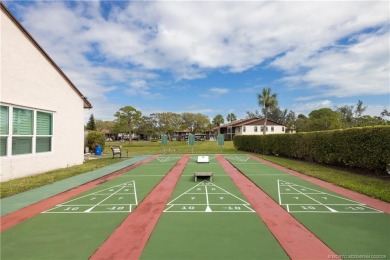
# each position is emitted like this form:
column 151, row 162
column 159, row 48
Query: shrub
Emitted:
column 95, row 138
column 366, row 147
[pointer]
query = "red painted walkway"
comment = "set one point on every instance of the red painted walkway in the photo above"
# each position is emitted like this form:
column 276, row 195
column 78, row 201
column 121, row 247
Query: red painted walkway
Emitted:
column 296, row 240
column 130, row 238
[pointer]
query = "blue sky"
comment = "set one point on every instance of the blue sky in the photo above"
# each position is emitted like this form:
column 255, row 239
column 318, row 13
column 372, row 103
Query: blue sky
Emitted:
column 215, row 57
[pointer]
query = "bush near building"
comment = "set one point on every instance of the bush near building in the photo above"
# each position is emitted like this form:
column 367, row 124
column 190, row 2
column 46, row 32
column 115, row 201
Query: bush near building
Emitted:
column 95, row 138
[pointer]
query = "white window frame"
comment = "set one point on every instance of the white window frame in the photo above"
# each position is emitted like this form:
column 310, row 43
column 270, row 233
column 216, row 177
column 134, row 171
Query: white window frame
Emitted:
column 34, row 134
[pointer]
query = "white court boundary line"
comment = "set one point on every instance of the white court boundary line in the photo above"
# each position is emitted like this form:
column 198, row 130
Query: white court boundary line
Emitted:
column 167, row 158
column 318, row 203
column 107, row 196
column 209, row 206
column 240, row 158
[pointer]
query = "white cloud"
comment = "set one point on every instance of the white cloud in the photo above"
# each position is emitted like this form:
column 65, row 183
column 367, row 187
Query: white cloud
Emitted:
column 124, row 50
column 219, row 90
column 307, row 107
column 353, row 70
column 214, row 92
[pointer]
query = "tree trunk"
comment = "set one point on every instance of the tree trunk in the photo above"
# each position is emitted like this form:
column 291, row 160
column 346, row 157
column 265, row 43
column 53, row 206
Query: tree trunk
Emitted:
column 265, row 121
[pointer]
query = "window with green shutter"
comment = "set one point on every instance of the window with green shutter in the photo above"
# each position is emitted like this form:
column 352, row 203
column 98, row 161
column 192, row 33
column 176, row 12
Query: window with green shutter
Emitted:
column 4, row 129
column 22, row 131
column 21, row 145
column 3, row 145
column 43, row 144
column 44, row 123
column 44, row 130
column 25, row 131
column 22, row 123
column 4, row 119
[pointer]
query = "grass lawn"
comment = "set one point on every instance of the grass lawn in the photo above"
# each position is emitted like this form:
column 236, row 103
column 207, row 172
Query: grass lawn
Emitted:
column 174, row 147
column 9, row 188
column 369, row 185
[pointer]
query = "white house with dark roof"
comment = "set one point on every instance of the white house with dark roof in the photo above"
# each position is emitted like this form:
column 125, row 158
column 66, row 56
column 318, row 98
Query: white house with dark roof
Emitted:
column 251, row 126
column 42, row 111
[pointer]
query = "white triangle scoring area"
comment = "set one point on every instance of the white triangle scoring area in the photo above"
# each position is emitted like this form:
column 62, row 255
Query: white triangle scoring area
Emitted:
column 208, row 197
column 239, row 158
column 115, row 199
column 300, row 199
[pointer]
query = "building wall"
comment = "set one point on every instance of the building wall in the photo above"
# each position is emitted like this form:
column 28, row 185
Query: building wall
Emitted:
column 29, row 80
column 250, row 130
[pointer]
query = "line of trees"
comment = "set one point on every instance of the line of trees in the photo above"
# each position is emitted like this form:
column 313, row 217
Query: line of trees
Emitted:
column 131, row 121
column 324, row 118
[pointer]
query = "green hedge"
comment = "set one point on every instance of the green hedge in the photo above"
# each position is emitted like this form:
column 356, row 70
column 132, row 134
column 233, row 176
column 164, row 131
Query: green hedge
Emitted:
column 366, row 147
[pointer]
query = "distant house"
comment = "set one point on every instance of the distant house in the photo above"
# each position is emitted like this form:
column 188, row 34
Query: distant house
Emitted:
column 251, row 126
column 42, row 111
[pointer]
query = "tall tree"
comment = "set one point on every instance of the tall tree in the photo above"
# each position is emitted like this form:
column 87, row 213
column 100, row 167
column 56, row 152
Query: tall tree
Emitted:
column 360, row 108
column 196, row 122
column 267, row 100
column 277, row 115
column 217, row 121
column 104, row 125
column 302, row 123
column 91, row 123
column 148, row 126
column 255, row 114
column 385, row 113
column 128, row 117
column 168, row 122
column 231, row 117
column 290, row 122
column 346, row 114
column 324, row 119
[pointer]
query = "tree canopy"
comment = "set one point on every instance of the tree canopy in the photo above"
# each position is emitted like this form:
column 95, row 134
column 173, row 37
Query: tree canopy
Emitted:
column 130, row 120
column 91, row 123
column 127, row 118
column 231, row 117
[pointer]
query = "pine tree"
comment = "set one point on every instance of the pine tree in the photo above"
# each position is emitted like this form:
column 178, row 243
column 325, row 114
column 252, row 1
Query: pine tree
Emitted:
column 91, row 123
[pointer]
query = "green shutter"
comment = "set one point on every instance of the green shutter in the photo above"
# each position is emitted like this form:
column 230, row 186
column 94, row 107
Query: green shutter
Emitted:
column 43, row 144
column 44, row 123
column 22, row 122
column 21, row 145
column 4, row 115
column 3, row 146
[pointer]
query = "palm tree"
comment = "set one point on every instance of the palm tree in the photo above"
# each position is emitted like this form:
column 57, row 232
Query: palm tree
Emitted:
column 267, row 100
column 231, row 117
column 218, row 120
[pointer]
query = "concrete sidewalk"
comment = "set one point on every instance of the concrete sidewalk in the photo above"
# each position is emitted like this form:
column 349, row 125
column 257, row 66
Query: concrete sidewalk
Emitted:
column 21, row 200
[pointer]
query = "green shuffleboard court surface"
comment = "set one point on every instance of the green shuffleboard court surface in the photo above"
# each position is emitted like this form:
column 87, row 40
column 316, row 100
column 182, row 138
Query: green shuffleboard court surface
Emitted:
column 76, row 228
column 210, row 220
column 346, row 226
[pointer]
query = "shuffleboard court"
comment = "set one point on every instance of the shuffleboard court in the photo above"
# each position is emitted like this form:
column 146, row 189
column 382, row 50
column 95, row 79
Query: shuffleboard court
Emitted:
column 210, row 220
column 349, row 227
column 76, row 228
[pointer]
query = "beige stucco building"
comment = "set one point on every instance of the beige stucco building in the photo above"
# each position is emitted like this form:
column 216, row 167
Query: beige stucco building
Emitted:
column 42, row 111
column 251, row 126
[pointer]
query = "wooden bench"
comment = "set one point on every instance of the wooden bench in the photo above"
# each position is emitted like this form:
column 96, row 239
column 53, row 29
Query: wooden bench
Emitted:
column 118, row 150
column 203, row 174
